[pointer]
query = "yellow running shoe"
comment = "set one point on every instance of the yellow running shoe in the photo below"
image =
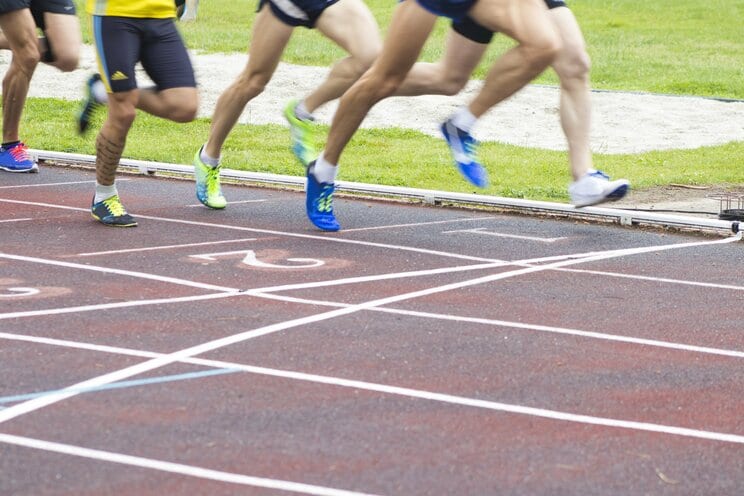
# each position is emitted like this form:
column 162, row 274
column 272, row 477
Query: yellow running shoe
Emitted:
column 208, row 189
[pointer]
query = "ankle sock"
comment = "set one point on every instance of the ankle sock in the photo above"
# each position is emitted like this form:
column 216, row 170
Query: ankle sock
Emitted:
column 464, row 119
column 324, row 171
column 303, row 113
column 207, row 160
column 104, row 192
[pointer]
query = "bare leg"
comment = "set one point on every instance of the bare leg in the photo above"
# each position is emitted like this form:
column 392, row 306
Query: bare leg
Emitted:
column 450, row 74
column 113, row 135
column 64, row 37
column 175, row 104
column 190, row 10
column 351, row 25
column 572, row 66
column 20, row 31
column 270, row 37
column 408, row 32
column 526, row 22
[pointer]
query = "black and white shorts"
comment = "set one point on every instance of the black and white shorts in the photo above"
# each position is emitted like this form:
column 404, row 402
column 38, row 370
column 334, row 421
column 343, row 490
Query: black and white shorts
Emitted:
column 297, row 12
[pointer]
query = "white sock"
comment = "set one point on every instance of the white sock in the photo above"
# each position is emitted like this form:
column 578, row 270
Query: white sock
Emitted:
column 463, row 119
column 99, row 92
column 303, row 113
column 207, row 160
column 324, row 171
column 104, row 192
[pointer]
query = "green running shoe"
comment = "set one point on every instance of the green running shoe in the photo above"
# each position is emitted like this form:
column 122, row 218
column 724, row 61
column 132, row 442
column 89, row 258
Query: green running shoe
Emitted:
column 303, row 135
column 208, row 189
column 112, row 213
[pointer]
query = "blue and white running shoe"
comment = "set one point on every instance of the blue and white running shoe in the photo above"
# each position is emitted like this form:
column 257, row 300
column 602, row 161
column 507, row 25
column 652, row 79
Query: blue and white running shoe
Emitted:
column 319, row 202
column 462, row 145
column 595, row 187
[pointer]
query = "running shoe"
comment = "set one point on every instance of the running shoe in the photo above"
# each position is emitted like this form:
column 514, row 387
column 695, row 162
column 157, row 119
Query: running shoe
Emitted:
column 88, row 105
column 208, row 189
column 319, row 202
column 595, row 187
column 462, row 145
column 303, row 135
column 16, row 158
column 112, row 213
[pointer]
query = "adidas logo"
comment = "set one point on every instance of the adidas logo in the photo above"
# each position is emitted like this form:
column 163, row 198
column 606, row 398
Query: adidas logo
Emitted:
column 118, row 76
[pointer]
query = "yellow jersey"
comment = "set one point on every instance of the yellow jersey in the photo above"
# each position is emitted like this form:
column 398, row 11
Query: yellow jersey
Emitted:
column 150, row 9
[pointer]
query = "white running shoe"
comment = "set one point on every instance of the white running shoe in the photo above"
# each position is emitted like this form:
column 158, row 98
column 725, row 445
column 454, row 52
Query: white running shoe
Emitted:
column 595, row 187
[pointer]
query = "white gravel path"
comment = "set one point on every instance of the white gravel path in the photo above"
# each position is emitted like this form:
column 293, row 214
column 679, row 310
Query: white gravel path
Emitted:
column 622, row 122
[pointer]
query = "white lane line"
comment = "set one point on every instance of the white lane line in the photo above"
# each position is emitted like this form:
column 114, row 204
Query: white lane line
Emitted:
column 519, row 325
column 175, row 468
column 120, row 304
column 16, row 220
column 129, row 273
column 32, row 405
column 655, row 279
column 417, row 224
column 40, row 185
column 229, row 203
column 167, row 247
column 407, row 392
column 482, row 230
column 325, row 237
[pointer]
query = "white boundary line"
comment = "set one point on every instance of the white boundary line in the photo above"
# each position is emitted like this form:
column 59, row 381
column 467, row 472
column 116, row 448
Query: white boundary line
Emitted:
column 15, row 220
column 520, row 325
column 167, row 247
column 35, row 404
column 326, row 237
column 407, row 392
column 175, row 468
column 626, row 217
column 121, row 272
column 417, row 224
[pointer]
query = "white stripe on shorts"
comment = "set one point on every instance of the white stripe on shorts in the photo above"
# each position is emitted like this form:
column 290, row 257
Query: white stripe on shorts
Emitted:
column 290, row 9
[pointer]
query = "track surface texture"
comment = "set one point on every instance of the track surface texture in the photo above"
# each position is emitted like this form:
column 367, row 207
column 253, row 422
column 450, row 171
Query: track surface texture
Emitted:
column 419, row 351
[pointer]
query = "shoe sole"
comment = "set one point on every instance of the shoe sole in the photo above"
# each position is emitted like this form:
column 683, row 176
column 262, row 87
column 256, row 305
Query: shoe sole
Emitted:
column 615, row 195
column 33, row 169
column 133, row 224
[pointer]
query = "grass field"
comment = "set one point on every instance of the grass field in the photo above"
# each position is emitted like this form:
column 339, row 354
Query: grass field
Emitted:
column 679, row 47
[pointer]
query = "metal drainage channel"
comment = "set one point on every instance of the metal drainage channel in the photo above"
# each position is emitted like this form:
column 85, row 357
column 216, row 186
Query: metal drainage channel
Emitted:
column 432, row 197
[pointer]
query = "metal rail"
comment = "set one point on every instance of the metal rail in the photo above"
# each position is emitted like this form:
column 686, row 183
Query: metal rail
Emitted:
column 433, row 197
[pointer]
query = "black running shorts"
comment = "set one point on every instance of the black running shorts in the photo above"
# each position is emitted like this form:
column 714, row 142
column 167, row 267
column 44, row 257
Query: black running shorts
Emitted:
column 297, row 12
column 121, row 42
column 39, row 7
column 13, row 5
column 479, row 34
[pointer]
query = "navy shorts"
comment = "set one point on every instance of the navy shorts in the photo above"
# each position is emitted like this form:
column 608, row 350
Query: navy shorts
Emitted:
column 39, row 7
column 479, row 34
column 454, row 9
column 121, row 42
column 297, row 12
column 13, row 5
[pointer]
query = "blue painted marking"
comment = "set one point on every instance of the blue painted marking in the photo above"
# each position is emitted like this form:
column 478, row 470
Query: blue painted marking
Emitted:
column 118, row 385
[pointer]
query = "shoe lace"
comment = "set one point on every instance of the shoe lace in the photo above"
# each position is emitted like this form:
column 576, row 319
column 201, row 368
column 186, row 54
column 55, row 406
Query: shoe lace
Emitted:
column 600, row 175
column 213, row 185
column 19, row 152
column 114, row 206
column 325, row 199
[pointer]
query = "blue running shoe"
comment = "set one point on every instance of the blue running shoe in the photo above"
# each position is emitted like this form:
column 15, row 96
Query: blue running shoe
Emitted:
column 112, row 213
column 462, row 146
column 15, row 158
column 319, row 203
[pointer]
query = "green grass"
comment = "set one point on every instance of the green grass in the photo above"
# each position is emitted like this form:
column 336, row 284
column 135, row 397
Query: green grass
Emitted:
column 663, row 46
column 392, row 157
column 681, row 47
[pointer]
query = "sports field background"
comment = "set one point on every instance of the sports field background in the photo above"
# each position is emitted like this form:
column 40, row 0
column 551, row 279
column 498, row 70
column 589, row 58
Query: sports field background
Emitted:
column 675, row 47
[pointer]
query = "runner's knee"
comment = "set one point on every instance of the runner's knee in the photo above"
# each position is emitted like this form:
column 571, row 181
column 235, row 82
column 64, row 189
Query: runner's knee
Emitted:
column 541, row 52
column 572, row 64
